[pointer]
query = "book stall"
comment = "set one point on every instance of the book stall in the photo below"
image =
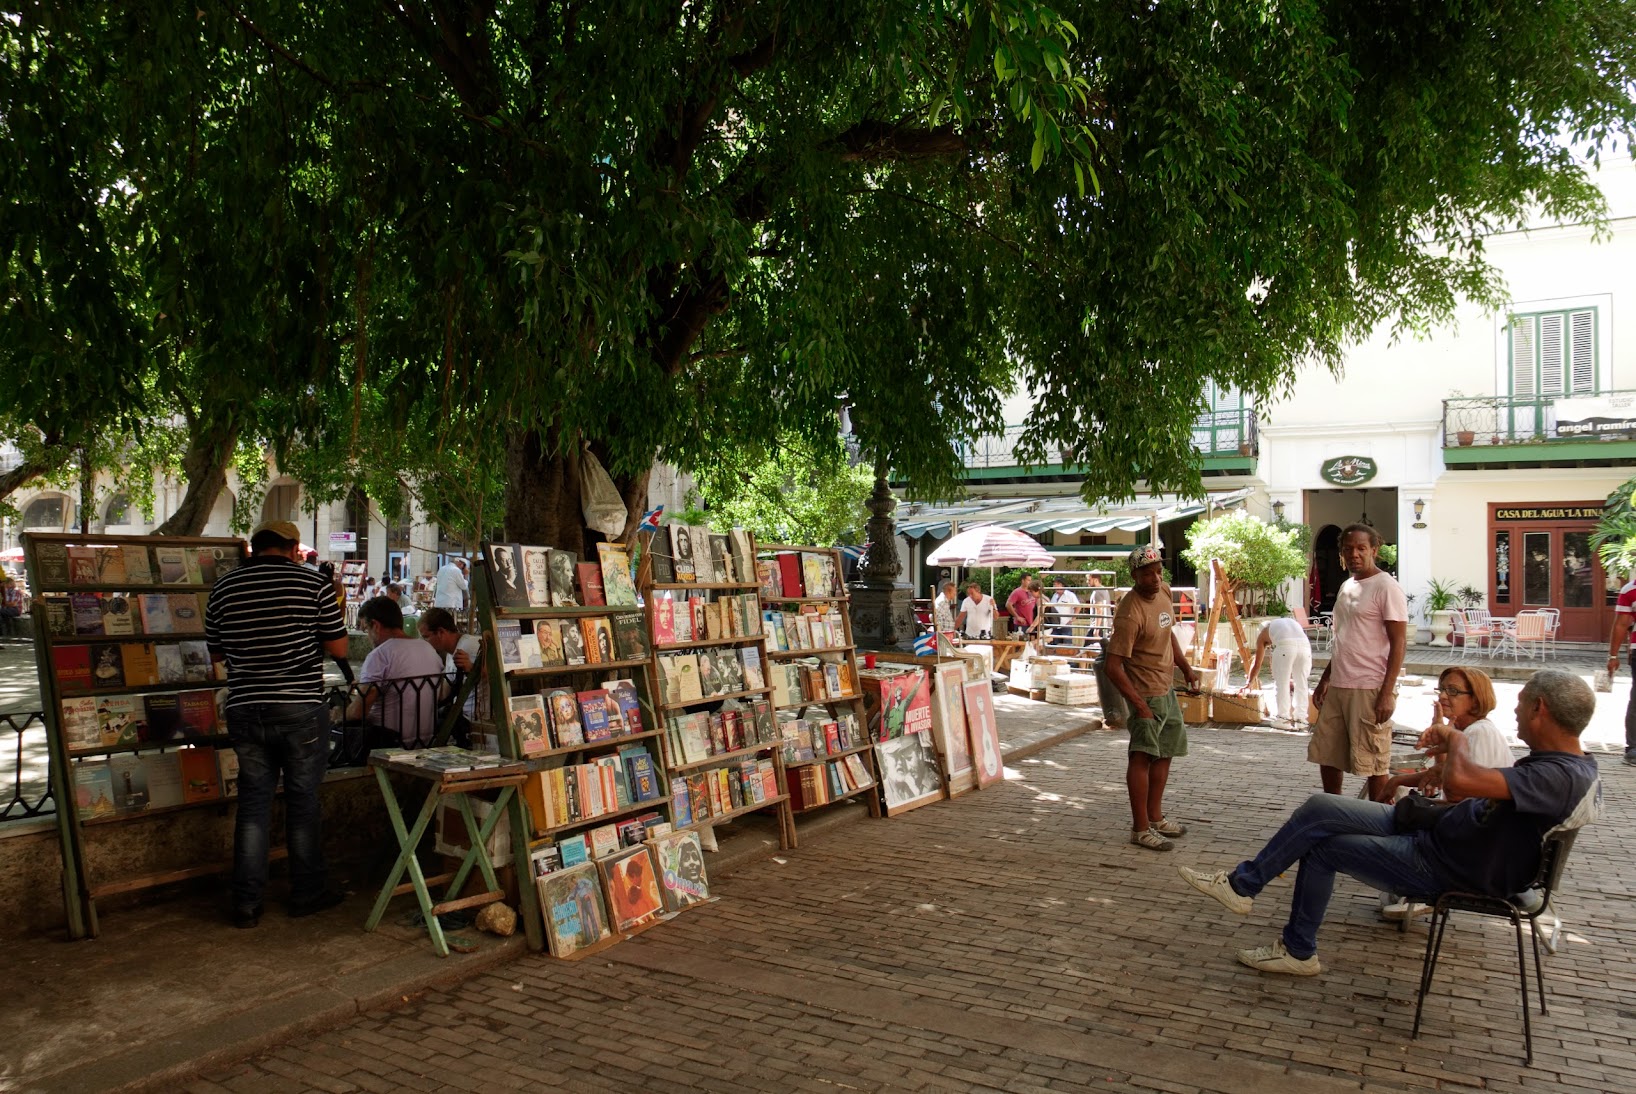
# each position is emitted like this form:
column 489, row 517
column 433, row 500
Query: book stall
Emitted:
column 133, row 700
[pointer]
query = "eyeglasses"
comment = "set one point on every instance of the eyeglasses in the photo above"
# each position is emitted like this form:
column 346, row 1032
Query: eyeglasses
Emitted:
column 1449, row 693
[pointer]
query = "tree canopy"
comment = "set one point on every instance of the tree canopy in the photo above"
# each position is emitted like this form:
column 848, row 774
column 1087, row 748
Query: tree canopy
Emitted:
column 649, row 230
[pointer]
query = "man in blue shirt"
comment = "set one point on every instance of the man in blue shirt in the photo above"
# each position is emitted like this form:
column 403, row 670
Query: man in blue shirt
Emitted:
column 1489, row 842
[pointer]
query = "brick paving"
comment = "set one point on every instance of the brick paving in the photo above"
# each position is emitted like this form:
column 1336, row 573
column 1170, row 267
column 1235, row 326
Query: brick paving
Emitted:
column 1012, row 940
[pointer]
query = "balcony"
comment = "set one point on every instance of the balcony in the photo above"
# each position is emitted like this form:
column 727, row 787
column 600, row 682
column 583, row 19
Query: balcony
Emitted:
column 1227, row 441
column 1540, row 430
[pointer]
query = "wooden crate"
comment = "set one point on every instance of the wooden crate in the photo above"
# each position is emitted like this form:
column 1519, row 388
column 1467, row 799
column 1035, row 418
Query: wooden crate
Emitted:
column 1195, row 708
column 1236, row 709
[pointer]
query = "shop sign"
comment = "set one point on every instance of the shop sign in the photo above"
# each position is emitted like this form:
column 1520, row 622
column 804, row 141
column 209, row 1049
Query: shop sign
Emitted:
column 1349, row 470
column 1588, row 416
column 343, row 543
column 1543, row 512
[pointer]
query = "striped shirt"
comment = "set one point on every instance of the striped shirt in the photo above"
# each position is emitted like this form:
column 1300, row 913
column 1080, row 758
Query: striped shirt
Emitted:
column 269, row 618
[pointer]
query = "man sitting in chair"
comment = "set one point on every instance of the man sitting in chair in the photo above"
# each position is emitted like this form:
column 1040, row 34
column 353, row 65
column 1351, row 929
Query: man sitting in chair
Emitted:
column 1488, row 843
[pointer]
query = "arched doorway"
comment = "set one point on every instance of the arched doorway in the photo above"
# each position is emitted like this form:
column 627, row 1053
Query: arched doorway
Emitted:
column 118, row 513
column 357, row 517
column 48, row 513
column 282, row 502
column 1326, row 564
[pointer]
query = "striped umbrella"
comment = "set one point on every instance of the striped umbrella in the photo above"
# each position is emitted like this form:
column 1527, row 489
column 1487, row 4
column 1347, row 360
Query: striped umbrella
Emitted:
column 991, row 545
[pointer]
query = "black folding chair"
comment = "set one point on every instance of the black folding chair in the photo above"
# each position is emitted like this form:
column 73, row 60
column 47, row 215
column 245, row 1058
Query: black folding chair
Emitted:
column 1553, row 858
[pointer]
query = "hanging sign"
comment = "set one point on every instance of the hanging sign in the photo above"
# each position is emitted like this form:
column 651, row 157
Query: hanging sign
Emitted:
column 1348, row 470
column 343, row 543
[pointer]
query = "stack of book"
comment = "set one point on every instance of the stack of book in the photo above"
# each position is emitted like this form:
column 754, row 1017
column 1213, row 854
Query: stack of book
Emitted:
column 701, row 795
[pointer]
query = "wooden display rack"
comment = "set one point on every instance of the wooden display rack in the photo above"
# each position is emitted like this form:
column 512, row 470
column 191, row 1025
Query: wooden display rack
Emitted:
column 652, row 592
column 846, row 652
column 80, row 890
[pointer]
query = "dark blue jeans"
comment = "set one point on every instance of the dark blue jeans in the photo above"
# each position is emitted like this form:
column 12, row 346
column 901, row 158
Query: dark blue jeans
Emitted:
column 270, row 738
column 1327, row 835
column 1630, row 710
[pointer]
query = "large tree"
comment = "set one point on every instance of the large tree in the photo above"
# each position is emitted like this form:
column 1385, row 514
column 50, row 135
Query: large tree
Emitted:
column 638, row 229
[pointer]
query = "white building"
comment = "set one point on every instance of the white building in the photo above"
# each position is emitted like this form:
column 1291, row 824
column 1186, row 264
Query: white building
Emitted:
column 1484, row 451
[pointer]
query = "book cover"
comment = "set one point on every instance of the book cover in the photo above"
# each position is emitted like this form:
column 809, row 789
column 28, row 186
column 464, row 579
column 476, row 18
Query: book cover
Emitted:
column 87, row 613
column 630, row 637
column 750, row 660
column 789, row 574
column 506, row 634
column 687, row 677
column 644, row 776
column 832, row 680
column 566, row 728
column 195, row 662
column 670, row 682
column 227, row 763
column 593, row 709
column 575, row 916
column 93, row 790
column 681, row 552
column 545, row 860
column 721, row 558
column 682, row 620
column 51, row 559
column 82, row 565
column 59, row 616
column 81, row 724
column 663, row 566
column 563, row 594
column 537, row 576
column 604, row 840
column 528, row 648
column 575, row 849
column 207, row 559
column 138, row 565
column 155, row 609
column 599, row 639
column 172, row 563
column 164, row 714
column 812, row 574
column 122, row 721
column 549, row 638
column 117, row 616
column 629, row 704
column 130, row 783
column 168, row 661
column 528, row 723
column 766, row 731
column 190, row 564
column 590, row 584
column 198, row 714
column 682, row 874
column 72, row 665
column 664, row 620
column 505, row 566
column 107, row 666
column 619, row 590
column 744, row 559
column 680, row 807
column 573, row 641
column 186, row 616
column 767, row 577
column 632, row 886
column 731, row 669
column 201, row 779
column 164, row 775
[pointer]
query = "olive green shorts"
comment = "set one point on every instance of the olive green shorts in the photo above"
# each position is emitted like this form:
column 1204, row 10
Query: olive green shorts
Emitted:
column 1164, row 735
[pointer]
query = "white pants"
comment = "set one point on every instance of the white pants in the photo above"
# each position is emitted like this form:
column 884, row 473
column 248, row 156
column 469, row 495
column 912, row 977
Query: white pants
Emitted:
column 1291, row 668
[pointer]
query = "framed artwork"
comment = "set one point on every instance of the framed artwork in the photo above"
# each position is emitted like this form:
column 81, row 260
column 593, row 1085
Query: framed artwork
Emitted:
column 575, row 916
column 909, row 775
column 633, row 888
column 983, row 731
column 682, row 876
column 949, row 726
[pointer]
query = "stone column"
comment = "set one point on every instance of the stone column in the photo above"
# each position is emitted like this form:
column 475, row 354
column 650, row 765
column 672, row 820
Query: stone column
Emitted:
column 882, row 606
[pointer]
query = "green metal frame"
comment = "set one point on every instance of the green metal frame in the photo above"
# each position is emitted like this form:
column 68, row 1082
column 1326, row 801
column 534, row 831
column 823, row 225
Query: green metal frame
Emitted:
column 1540, row 398
column 1477, row 455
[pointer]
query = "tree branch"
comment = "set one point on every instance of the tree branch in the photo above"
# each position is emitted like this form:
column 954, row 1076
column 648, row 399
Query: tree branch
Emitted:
column 873, row 142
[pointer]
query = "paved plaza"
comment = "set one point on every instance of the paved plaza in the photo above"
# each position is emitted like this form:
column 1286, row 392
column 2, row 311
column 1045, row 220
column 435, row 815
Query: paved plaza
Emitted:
column 1013, row 940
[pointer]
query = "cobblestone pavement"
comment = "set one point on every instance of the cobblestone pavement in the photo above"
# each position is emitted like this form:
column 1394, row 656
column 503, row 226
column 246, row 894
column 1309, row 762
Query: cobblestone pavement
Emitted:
column 1013, row 940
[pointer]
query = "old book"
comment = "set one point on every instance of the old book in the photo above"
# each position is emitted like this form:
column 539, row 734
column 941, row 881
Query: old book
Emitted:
column 155, row 610
column 506, row 634
column 744, row 562
column 195, row 662
column 549, row 639
column 682, row 620
column 118, row 616
column 172, row 563
column 505, row 567
column 82, row 724
column 563, row 592
column 140, row 662
column 590, row 584
column 82, row 565
column 201, row 779
column 721, row 558
column 214, row 561
column 107, row 666
column 630, row 636
column 681, row 552
column 138, row 564
column 604, row 840
column 130, row 783
column 164, row 775
column 52, row 561
column 186, row 617
column 198, row 712
column 528, row 648
column 632, row 886
column 59, row 616
column 572, row 641
column 629, row 703
column 87, row 611
column 168, row 657
column 615, row 562
column 575, row 915
column 227, row 763
column 750, row 659
column 663, row 566
column 537, row 575
column 593, row 711
column 528, row 723
column 122, row 721
column 93, row 790
column 599, row 639
column 789, row 575
column 566, row 728
column 72, row 664
column 664, row 619
column 110, row 566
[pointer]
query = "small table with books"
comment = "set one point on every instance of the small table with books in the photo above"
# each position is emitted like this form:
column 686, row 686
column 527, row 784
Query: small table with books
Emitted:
column 454, row 773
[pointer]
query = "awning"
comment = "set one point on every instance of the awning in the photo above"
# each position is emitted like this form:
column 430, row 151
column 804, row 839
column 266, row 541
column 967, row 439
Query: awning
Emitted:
column 1068, row 515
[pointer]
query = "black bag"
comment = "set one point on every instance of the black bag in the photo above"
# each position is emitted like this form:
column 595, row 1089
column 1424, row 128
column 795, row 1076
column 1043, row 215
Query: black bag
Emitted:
column 1417, row 813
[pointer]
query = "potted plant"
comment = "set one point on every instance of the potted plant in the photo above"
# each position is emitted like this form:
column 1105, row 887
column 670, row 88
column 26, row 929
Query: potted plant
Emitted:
column 1441, row 597
column 1458, row 417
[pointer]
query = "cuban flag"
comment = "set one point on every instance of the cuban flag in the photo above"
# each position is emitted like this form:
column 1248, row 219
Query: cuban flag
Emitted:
column 925, row 645
column 650, row 519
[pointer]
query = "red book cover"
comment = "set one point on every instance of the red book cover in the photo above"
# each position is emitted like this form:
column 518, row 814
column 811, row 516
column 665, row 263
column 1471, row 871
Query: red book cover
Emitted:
column 73, row 665
column 198, row 713
column 590, row 584
column 664, row 621
column 789, row 573
column 201, row 779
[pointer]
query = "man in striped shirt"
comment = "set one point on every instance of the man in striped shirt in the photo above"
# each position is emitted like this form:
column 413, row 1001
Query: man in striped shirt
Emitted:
column 273, row 620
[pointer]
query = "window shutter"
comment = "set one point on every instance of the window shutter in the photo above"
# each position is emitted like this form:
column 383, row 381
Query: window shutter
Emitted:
column 1550, row 355
column 1522, row 357
column 1582, row 351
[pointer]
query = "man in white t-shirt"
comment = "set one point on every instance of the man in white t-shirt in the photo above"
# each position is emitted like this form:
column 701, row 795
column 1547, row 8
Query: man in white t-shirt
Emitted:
column 976, row 618
column 451, row 587
column 407, row 672
column 1356, row 695
column 1065, row 608
column 461, row 652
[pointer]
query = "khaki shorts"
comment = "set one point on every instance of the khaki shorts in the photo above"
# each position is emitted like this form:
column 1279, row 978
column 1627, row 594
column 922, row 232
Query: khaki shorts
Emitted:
column 1346, row 735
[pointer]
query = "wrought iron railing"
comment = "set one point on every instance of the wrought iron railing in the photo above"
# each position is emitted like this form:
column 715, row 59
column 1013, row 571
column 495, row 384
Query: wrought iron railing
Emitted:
column 29, row 794
column 1538, row 419
column 1221, row 433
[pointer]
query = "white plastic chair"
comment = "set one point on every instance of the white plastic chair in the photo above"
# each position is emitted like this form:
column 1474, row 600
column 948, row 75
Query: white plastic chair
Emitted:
column 1528, row 635
column 1553, row 623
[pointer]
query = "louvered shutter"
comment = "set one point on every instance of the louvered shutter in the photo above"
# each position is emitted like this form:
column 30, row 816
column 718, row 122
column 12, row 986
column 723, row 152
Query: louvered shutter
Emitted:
column 1550, row 355
column 1522, row 357
column 1582, row 351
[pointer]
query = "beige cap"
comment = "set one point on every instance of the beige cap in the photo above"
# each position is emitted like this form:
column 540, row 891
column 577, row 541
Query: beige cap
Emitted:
column 283, row 529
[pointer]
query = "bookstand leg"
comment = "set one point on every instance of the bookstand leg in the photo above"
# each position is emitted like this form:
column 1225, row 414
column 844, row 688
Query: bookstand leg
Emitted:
column 408, row 841
column 479, row 836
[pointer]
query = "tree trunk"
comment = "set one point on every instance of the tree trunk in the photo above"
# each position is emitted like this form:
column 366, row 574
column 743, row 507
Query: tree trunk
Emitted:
column 25, row 473
column 543, row 495
column 210, row 446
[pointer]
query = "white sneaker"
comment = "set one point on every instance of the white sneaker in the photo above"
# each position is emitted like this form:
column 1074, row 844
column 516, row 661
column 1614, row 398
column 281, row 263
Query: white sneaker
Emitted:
column 1404, row 909
column 1275, row 958
column 1151, row 839
column 1217, row 885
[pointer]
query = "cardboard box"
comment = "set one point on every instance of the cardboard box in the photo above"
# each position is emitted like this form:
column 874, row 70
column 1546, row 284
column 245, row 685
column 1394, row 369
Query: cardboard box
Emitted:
column 1195, row 708
column 452, row 839
column 1235, row 709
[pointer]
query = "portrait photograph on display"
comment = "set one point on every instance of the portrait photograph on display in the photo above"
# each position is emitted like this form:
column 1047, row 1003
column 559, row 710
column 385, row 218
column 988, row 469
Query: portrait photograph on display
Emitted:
column 681, row 870
column 632, row 887
column 505, row 564
column 562, row 579
column 909, row 775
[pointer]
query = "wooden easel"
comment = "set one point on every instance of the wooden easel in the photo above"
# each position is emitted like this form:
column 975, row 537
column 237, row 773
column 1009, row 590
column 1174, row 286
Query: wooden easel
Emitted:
column 1223, row 600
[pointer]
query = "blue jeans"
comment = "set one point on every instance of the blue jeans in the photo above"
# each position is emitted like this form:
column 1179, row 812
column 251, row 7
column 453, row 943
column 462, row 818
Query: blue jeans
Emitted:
column 1630, row 711
column 1327, row 835
column 292, row 738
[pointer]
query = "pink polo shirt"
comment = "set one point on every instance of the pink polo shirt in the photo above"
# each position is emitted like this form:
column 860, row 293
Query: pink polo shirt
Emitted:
column 1362, row 610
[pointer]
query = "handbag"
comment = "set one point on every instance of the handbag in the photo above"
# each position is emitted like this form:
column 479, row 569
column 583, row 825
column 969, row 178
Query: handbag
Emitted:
column 1417, row 813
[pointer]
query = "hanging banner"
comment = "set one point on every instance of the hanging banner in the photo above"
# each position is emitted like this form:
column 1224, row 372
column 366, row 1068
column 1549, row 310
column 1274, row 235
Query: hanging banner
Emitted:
column 1348, row 470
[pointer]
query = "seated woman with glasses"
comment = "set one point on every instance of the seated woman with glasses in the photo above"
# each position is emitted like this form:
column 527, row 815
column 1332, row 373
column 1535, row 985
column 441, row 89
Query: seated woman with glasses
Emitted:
column 1464, row 699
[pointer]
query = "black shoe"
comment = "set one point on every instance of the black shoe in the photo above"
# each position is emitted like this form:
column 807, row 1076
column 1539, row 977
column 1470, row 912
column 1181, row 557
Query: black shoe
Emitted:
column 245, row 920
column 324, row 901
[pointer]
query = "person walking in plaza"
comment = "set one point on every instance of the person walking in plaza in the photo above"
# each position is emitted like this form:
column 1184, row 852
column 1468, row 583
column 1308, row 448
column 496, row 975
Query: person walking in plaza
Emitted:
column 1291, row 667
column 273, row 620
column 1488, row 843
column 1143, row 654
column 1357, row 693
column 1624, row 619
column 976, row 618
column 451, row 586
column 1064, row 613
